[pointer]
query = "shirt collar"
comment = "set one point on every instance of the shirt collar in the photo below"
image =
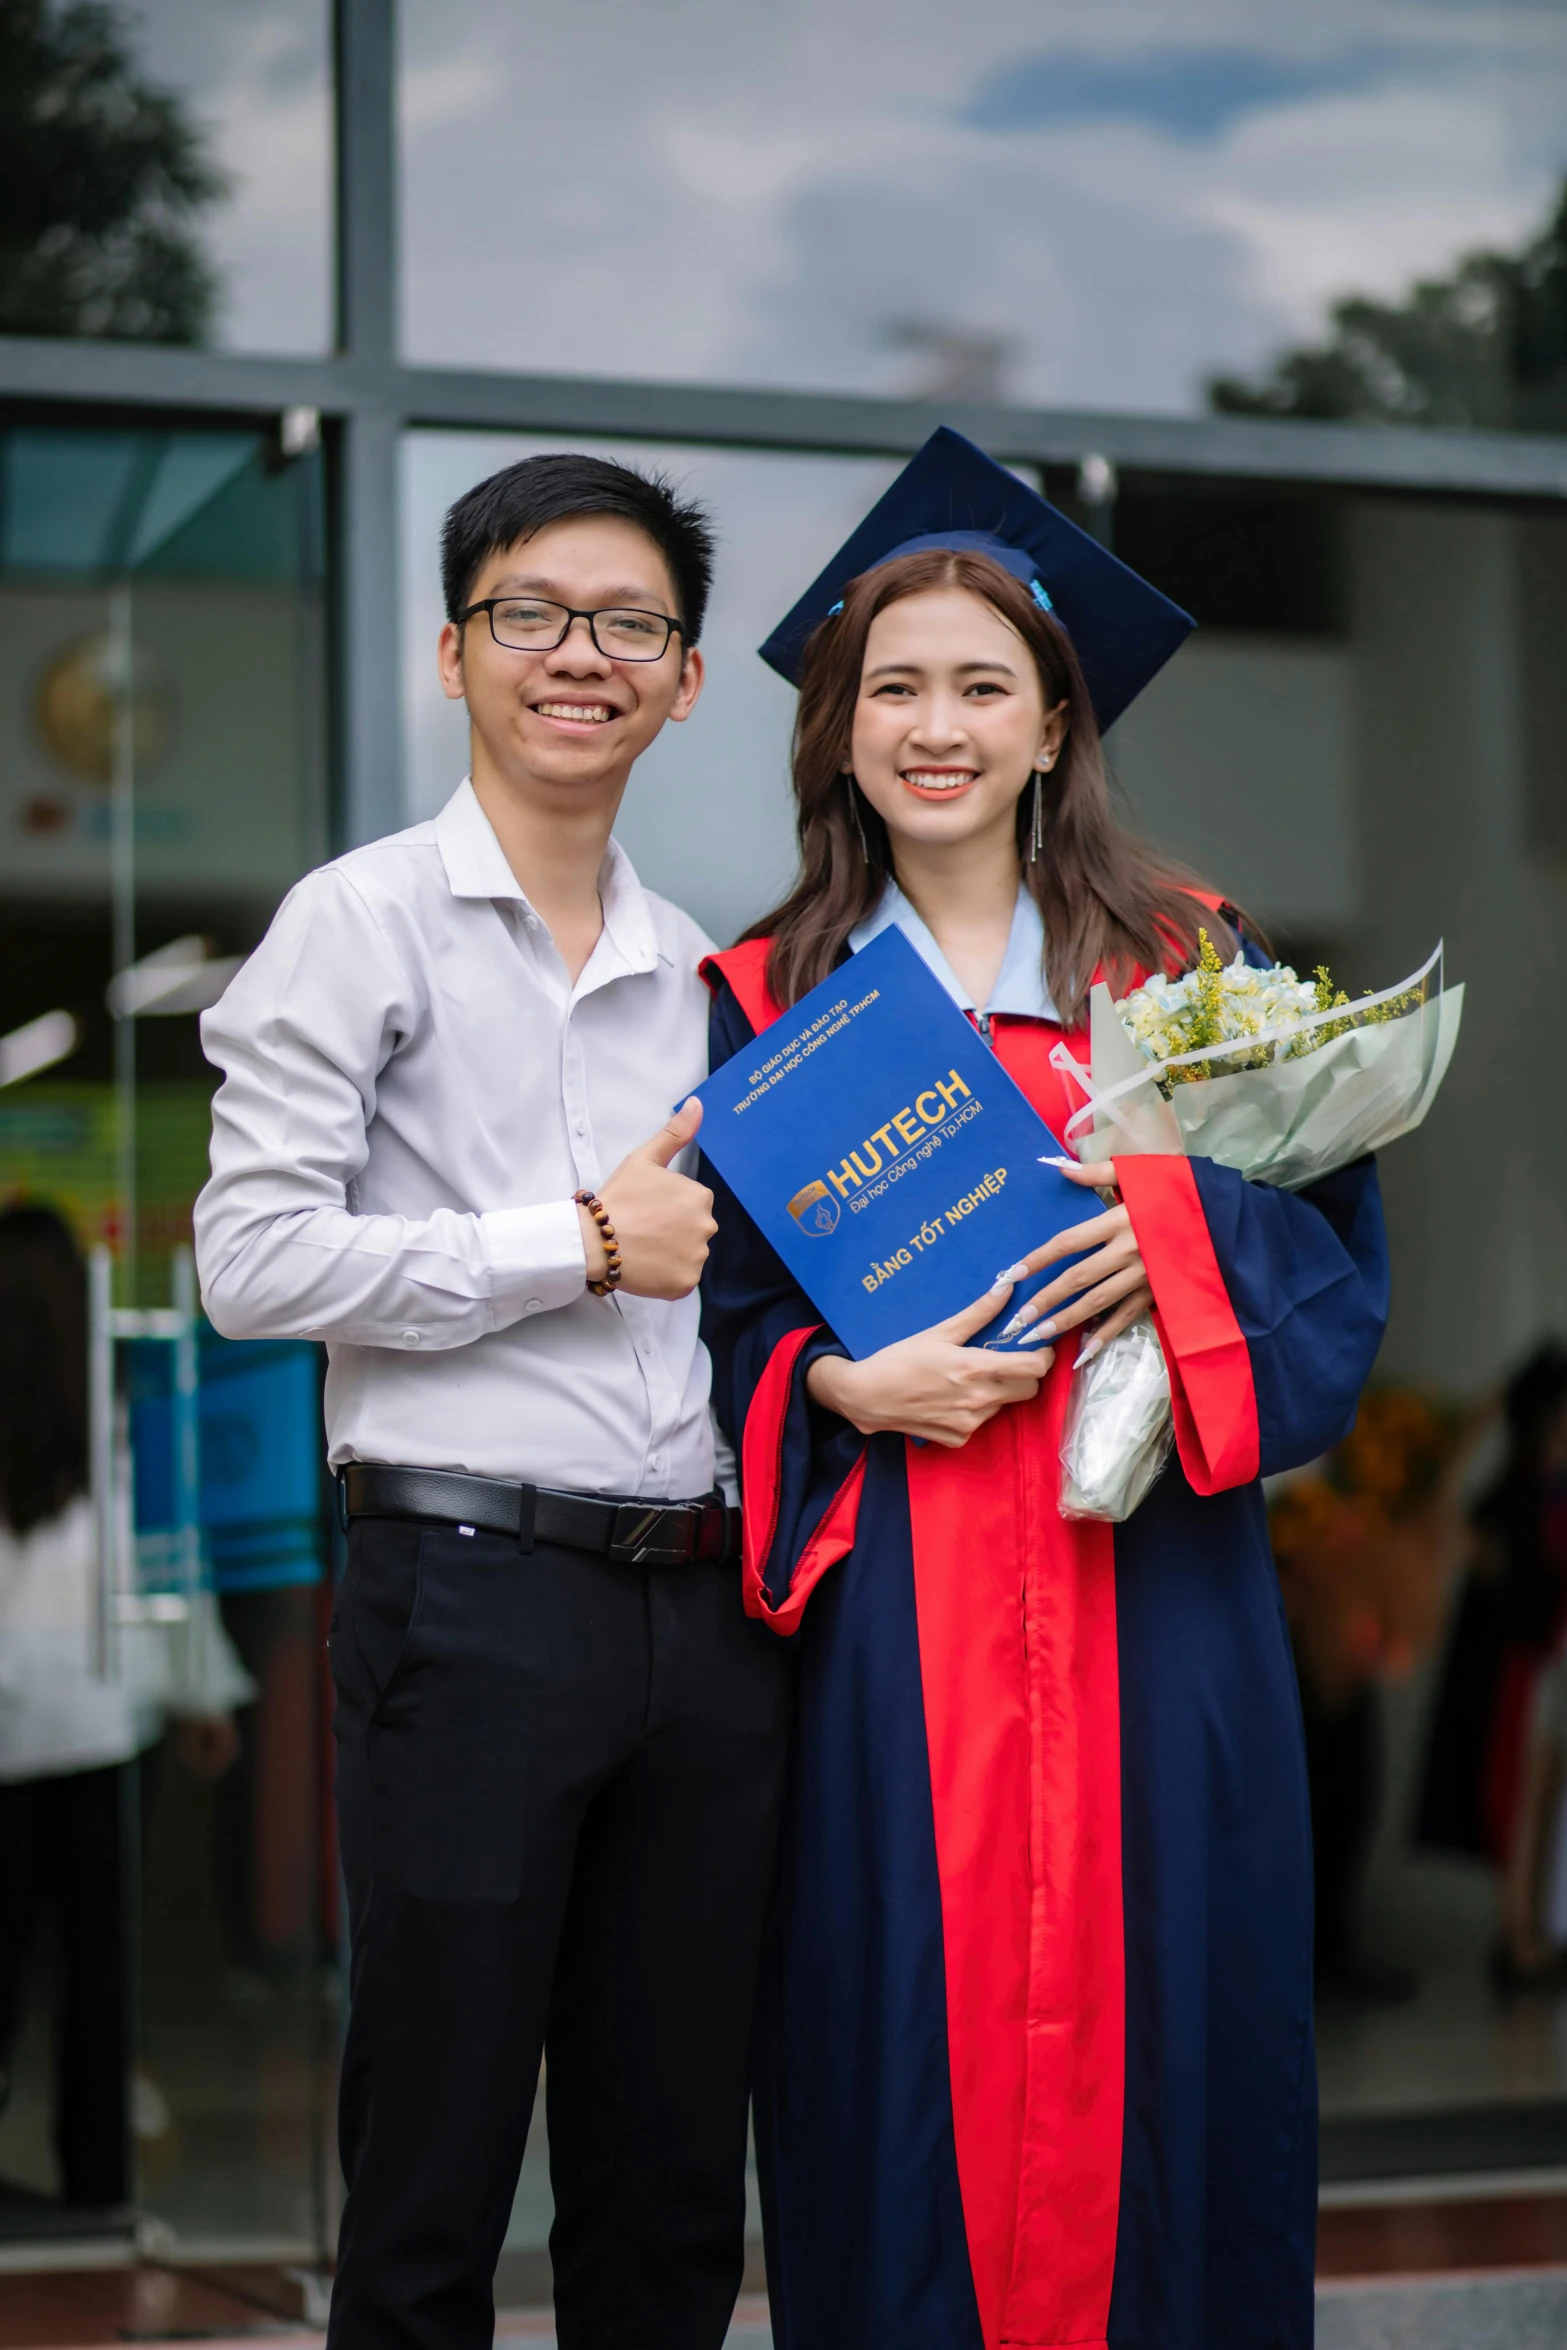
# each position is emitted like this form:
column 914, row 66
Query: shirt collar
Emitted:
column 476, row 867
column 1020, row 987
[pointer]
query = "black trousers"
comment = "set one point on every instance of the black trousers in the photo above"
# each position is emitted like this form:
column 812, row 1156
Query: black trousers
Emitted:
column 559, row 1788
column 1344, row 1772
column 61, row 1840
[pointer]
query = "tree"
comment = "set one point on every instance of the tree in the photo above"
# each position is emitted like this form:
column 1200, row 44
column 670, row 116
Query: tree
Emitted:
column 102, row 178
column 1486, row 345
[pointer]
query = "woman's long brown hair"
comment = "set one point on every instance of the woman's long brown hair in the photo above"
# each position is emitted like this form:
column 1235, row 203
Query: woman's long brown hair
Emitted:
column 1110, row 904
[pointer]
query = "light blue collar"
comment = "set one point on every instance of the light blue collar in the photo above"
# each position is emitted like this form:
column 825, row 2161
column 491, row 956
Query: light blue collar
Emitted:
column 1020, row 983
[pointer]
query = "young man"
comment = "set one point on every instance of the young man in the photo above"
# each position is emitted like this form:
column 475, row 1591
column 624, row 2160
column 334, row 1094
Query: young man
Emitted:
column 560, row 1743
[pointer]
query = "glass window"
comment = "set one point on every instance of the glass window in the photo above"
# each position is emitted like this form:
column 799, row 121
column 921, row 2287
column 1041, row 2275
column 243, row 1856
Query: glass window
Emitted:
column 175, row 176
column 161, row 786
column 1101, row 209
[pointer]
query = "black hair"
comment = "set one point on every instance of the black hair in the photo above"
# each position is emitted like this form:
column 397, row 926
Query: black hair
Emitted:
column 1533, row 1397
column 525, row 498
column 43, row 1367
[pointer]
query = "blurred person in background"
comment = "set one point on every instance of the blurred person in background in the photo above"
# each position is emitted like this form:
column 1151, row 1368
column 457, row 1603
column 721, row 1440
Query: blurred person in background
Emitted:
column 1368, row 1545
column 71, row 1736
column 1493, row 1772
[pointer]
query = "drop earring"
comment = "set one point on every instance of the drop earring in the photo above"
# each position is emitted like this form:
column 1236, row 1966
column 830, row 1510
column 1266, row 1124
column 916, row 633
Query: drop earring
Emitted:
column 1037, row 829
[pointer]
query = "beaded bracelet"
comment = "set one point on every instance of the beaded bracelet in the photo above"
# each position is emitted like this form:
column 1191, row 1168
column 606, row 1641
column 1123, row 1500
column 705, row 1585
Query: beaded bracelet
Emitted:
column 600, row 1214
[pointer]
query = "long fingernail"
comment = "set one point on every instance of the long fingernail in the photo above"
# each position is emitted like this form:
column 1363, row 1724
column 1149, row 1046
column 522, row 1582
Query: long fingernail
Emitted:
column 1005, row 1279
column 1040, row 1337
column 1059, row 1162
column 1089, row 1348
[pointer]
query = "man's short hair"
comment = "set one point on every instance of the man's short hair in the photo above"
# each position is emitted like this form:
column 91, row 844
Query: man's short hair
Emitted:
column 525, row 498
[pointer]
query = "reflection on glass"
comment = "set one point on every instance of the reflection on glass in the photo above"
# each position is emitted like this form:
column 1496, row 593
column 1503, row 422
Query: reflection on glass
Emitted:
column 1484, row 343
column 1024, row 201
column 169, row 173
column 160, row 787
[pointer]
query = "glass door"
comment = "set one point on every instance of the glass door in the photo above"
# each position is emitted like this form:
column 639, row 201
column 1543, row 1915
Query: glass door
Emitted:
column 168, row 1988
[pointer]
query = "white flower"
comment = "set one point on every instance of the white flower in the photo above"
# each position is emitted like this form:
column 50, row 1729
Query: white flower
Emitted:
column 1163, row 1015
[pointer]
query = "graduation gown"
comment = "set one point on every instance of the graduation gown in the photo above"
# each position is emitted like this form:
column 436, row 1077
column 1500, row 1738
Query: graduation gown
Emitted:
column 1038, row 2060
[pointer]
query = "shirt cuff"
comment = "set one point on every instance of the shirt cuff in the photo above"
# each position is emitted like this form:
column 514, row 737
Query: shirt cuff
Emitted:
column 537, row 1260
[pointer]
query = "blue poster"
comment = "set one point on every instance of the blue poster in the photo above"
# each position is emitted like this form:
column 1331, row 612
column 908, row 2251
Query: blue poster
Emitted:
column 886, row 1154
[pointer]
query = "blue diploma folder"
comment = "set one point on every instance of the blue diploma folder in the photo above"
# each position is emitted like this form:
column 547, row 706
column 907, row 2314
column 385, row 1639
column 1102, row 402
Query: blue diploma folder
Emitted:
column 880, row 1146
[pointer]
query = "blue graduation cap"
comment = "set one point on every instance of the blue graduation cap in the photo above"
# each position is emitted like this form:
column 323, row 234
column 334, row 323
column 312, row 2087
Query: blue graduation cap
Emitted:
column 952, row 495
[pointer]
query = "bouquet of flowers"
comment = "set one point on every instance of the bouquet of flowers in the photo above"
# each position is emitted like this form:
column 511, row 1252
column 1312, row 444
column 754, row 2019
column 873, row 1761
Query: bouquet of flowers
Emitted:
column 1284, row 1080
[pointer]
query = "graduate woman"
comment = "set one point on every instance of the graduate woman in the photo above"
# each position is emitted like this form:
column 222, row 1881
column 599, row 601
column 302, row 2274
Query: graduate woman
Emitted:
column 1039, row 2065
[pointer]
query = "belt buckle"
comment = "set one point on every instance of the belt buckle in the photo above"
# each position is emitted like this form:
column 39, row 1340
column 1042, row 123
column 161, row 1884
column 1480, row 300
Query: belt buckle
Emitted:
column 643, row 1535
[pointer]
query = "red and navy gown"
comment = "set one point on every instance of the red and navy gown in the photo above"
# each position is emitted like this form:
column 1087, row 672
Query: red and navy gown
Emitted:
column 1038, row 2065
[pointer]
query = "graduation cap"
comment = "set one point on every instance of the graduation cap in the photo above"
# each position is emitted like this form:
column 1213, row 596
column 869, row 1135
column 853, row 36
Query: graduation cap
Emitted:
column 952, row 495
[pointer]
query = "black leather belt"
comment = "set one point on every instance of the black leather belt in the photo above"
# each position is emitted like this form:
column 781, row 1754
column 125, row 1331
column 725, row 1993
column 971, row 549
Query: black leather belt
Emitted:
column 640, row 1533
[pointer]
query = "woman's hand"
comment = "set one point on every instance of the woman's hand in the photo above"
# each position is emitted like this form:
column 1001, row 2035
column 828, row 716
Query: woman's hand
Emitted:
column 931, row 1386
column 1111, row 1281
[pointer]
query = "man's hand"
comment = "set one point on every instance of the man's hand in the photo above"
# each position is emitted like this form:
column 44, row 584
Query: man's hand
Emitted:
column 663, row 1221
column 932, row 1385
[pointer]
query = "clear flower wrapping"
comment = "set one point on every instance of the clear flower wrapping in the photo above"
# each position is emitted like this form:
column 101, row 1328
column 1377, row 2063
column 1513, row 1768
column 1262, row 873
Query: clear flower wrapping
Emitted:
column 1262, row 1072
column 1118, row 1429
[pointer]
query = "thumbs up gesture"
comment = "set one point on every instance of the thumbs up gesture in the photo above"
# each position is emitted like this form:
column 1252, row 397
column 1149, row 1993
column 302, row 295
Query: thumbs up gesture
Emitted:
column 663, row 1221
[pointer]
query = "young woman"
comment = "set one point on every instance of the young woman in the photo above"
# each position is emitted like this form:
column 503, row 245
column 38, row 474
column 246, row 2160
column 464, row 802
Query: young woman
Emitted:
column 1039, row 2061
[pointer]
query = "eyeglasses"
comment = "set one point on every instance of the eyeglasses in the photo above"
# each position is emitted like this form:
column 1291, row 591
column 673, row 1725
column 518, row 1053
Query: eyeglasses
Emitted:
column 533, row 624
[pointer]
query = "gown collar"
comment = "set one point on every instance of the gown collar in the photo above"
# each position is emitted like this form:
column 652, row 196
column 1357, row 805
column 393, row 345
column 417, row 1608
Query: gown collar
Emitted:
column 1020, row 987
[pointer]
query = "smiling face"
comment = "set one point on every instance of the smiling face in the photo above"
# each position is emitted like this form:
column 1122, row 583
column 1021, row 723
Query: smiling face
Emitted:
column 563, row 728
column 950, row 721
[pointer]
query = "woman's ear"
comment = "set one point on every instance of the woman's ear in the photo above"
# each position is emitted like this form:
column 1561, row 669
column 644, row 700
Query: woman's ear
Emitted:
column 1052, row 735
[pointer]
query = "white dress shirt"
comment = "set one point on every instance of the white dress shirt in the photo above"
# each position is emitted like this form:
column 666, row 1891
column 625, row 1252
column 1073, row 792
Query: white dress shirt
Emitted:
column 412, row 1090
column 1020, row 987
column 57, row 1713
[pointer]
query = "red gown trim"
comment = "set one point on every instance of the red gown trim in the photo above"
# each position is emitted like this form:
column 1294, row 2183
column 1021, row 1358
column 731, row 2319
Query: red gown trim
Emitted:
column 745, row 968
column 1211, row 1389
column 761, row 1463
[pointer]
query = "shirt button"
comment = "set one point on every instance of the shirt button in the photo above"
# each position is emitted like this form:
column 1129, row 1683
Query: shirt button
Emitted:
column 533, row 1305
column 581, row 1125
column 410, row 1338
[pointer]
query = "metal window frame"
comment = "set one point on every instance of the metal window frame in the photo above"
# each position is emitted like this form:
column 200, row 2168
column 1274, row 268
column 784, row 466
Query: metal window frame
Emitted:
column 369, row 396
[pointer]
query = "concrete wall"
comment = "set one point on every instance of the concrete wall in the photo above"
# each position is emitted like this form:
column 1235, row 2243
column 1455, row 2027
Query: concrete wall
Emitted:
column 1376, row 794
column 1445, row 714
column 1241, row 756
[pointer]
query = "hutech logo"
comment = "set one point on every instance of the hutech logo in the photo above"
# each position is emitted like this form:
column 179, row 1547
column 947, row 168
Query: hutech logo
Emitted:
column 814, row 1209
column 888, row 1152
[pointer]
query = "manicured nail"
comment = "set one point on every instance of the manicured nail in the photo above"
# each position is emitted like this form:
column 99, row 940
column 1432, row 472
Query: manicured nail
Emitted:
column 1040, row 1337
column 1004, row 1280
column 1089, row 1348
column 1058, row 1162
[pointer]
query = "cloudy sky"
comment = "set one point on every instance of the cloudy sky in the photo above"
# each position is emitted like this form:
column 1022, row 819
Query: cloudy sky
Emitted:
column 1110, row 201
column 1120, row 197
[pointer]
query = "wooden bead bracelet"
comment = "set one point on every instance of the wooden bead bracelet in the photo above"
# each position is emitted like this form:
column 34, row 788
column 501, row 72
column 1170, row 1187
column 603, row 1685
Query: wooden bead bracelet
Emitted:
column 600, row 1214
